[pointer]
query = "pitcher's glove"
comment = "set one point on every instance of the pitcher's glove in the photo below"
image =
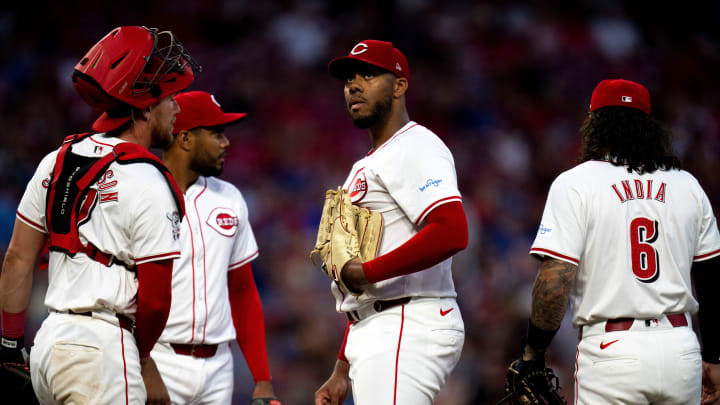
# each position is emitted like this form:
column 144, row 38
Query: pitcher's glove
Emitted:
column 346, row 232
column 531, row 383
column 265, row 401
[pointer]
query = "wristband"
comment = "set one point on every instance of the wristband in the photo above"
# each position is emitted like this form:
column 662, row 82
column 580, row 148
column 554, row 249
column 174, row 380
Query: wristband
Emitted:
column 539, row 339
column 12, row 343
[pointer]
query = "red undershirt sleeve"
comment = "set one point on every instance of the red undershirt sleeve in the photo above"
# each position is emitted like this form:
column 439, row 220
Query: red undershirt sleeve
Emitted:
column 153, row 303
column 248, row 320
column 445, row 234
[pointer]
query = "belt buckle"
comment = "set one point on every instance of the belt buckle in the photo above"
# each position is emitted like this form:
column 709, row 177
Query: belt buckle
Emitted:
column 192, row 350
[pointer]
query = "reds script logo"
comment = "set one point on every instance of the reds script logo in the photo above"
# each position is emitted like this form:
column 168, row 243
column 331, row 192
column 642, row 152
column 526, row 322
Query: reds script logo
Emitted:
column 224, row 221
column 359, row 48
column 358, row 187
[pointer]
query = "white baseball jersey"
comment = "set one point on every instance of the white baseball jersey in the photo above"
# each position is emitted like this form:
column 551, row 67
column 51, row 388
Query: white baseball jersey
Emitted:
column 216, row 237
column 135, row 219
column 634, row 238
column 404, row 179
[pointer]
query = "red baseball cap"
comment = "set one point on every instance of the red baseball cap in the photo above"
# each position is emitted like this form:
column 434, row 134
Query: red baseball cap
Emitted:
column 377, row 53
column 619, row 92
column 200, row 109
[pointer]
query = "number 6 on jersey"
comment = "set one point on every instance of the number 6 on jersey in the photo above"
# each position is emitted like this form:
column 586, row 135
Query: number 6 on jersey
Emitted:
column 645, row 260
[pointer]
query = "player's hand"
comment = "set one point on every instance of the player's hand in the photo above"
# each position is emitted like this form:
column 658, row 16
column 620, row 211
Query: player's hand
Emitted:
column 710, row 383
column 336, row 388
column 263, row 389
column 157, row 393
column 354, row 276
column 264, row 394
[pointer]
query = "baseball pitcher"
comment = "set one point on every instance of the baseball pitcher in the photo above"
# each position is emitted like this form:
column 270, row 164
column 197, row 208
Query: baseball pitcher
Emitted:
column 386, row 238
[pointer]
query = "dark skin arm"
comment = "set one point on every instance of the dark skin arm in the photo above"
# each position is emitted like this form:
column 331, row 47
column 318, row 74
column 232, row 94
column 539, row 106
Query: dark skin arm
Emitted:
column 354, row 276
column 550, row 296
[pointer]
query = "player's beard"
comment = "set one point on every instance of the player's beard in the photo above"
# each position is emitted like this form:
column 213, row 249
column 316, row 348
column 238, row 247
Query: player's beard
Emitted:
column 206, row 166
column 161, row 137
column 381, row 110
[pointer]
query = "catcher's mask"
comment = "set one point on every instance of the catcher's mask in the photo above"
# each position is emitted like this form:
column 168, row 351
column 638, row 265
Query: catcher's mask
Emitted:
column 133, row 66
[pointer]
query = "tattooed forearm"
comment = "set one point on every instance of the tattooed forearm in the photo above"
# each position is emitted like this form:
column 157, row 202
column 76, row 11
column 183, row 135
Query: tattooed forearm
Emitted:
column 551, row 292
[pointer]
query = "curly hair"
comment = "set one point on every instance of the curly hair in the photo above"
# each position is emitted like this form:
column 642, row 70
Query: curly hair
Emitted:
column 627, row 137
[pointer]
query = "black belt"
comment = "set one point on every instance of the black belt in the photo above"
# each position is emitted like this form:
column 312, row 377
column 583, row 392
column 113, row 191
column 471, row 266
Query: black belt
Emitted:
column 378, row 306
column 199, row 351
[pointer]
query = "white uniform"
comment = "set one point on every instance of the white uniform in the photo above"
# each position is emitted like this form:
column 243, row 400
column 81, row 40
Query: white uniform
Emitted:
column 404, row 354
column 634, row 239
column 92, row 358
column 216, row 238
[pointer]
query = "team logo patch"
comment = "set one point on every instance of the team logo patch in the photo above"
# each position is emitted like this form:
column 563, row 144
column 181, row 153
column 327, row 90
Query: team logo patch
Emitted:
column 543, row 229
column 430, row 183
column 224, row 221
column 174, row 219
column 358, row 187
column 626, row 99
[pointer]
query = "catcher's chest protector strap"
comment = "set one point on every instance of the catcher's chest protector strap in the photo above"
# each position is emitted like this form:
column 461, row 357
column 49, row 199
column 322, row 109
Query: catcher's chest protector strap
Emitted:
column 70, row 200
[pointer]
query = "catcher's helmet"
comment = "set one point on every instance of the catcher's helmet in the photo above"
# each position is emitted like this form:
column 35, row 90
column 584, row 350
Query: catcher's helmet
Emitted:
column 136, row 66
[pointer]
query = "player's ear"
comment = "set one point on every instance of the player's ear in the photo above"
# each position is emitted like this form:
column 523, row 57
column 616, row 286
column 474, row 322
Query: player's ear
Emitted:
column 184, row 140
column 400, row 87
column 145, row 113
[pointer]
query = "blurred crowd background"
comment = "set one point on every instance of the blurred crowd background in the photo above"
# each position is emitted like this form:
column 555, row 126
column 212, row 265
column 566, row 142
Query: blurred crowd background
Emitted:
column 505, row 84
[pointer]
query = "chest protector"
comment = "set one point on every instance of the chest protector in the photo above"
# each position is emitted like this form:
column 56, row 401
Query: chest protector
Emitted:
column 70, row 200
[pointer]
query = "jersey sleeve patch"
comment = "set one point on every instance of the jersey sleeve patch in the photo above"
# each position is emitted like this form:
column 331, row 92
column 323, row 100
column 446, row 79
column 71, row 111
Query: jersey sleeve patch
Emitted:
column 418, row 171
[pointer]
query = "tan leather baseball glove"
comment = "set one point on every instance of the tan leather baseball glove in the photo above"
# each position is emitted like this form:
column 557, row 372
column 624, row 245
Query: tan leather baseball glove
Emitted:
column 346, row 232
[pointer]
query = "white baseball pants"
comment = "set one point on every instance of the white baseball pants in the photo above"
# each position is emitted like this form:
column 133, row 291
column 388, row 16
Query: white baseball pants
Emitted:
column 85, row 360
column 403, row 355
column 196, row 381
column 650, row 363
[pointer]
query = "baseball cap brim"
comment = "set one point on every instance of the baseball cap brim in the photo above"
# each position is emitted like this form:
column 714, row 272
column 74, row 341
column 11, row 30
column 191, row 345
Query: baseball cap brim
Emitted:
column 224, row 119
column 104, row 123
column 339, row 67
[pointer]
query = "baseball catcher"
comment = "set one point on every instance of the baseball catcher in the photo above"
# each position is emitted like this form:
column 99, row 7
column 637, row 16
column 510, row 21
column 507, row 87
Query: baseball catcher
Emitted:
column 346, row 232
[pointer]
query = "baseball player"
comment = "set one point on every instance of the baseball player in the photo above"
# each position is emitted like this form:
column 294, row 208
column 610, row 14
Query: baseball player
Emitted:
column 110, row 213
column 405, row 330
column 215, row 299
column 629, row 231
